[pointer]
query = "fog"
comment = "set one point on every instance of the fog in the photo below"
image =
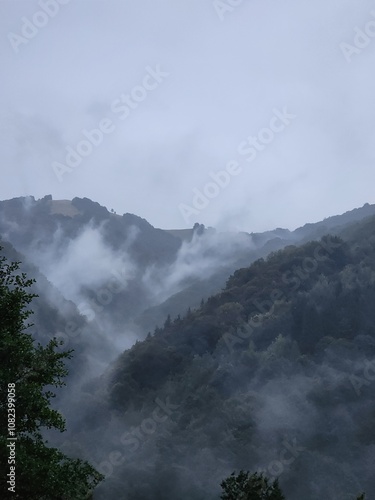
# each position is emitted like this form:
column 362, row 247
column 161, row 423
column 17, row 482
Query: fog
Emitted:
column 226, row 74
column 111, row 287
column 214, row 120
column 266, row 405
column 197, row 259
column 84, row 262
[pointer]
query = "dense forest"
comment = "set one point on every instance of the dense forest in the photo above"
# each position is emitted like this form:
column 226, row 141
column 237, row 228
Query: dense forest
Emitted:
column 273, row 373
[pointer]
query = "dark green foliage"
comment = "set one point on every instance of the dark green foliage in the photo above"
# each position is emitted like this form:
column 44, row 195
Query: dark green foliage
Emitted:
column 270, row 357
column 41, row 472
column 291, row 329
column 246, row 486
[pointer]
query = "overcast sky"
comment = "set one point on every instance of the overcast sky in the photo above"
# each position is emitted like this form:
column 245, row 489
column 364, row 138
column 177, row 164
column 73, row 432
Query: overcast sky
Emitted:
column 178, row 87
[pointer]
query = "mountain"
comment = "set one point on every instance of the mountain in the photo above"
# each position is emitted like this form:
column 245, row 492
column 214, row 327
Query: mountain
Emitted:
column 261, row 245
column 275, row 373
column 24, row 219
column 125, row 276
column 87, row 251
column 273, row 370
column 95, row 258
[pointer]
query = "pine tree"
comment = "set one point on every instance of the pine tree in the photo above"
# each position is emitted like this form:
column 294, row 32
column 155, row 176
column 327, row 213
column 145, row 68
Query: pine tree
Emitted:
column 246, row 486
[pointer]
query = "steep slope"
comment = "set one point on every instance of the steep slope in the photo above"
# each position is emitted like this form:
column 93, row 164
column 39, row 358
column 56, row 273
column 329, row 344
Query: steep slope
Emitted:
column 271, row 372
column 95, row 258
column 128, row 275
column 54, row 316
column 261, row 245
column 276, row 372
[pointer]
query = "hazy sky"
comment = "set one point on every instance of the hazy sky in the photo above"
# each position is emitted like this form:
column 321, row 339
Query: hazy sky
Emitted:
column 180, row 88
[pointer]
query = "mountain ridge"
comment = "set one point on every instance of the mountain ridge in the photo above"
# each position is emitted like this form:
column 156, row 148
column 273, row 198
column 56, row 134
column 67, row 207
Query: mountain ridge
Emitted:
column 71, row 208
column 244, row 346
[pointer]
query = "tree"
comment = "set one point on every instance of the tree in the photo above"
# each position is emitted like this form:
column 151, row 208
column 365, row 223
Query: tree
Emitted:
column 168, row 321
column 250, row 487
column 29, row 469
column 254, row 487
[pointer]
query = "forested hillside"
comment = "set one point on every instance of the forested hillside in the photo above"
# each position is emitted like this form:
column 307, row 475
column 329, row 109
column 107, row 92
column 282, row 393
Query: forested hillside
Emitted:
column 274, row 373
column 263, row 357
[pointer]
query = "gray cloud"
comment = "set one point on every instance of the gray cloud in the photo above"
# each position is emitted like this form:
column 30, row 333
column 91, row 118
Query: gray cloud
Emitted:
column 225, row 77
